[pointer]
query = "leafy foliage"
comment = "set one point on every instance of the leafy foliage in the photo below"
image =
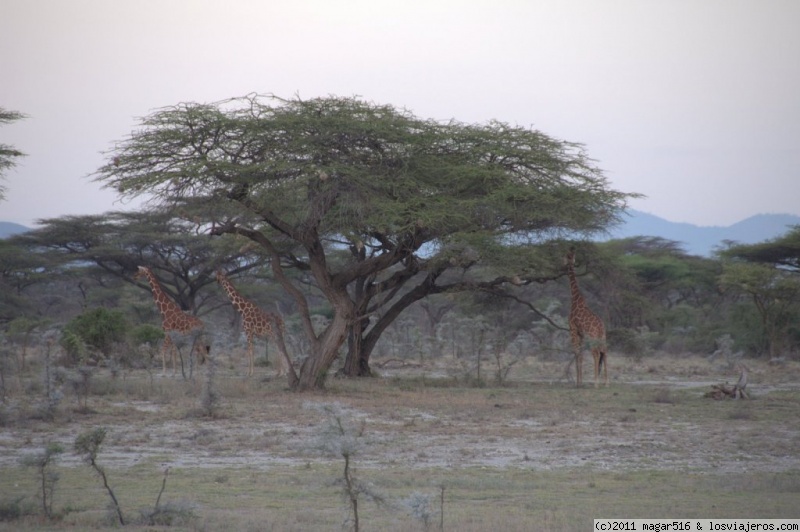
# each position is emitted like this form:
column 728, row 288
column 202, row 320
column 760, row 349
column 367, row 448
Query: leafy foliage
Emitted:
column 147, row 334
column 396, row 200
column 8, row 154
column 98, row 328
column 775, row 294
column 88, row 445
column 116, row 243
column 19, row 269
column 48, row 478
column 782, row 252
column 766, row 274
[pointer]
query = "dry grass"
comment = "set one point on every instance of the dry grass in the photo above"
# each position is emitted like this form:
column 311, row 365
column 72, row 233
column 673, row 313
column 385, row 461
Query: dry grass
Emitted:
column 538, row 454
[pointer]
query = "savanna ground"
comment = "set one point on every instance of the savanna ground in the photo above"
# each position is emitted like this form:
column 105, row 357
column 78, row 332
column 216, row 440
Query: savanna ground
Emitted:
column 535, row 454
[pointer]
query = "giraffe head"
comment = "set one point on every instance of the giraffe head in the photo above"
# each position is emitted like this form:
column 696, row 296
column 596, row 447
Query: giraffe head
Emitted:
column 141, row 271
column 223, row 280
column 569, row 258
column 150, row 277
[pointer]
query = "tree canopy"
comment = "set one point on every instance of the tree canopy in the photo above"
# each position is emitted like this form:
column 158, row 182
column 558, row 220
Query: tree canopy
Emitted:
column 766, row 273
column 8, row 154
column 116, row 243
column 375, row 204
column 782, row 252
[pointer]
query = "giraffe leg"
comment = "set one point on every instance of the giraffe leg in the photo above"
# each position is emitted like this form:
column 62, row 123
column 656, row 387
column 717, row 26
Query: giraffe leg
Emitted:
column 284, row 362
column 250, row 356
column 577, row 342
column 165, row 347
column 175, row 354
column 192, row 358
column 203, row 351
column 596, row 357
column 280, row 362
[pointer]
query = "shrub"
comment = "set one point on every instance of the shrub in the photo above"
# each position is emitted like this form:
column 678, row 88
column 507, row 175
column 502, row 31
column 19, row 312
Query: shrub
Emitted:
column 47, row 477
column 16, row 508
column 98, row 328
column 146, row 334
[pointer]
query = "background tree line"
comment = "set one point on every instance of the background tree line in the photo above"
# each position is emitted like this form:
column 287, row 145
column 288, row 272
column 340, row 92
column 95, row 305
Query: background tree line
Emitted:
column 376, row 232
column 76, row 273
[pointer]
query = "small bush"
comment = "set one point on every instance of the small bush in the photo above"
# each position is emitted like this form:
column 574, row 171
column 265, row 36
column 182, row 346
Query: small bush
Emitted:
column 74, row 347
column 421, row 507
column 52, row 393
column 147, row 334
column 636, row 343
column 88, row 446
column 169, row 514
column 48, row 478
column 99, row 328
column 342, row 436
column 16, row 508
column 663, row 396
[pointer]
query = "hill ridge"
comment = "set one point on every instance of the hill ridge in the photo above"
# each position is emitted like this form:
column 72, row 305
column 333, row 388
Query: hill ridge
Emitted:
column 701, row 240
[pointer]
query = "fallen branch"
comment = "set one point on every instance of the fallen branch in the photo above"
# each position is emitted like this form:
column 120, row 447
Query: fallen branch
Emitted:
column 726, row 391
column 721, row 391
column 400, row 363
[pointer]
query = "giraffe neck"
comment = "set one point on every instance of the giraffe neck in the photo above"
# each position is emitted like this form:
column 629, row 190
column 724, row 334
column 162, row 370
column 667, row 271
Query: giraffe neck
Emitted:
column 165, row 305
column 237, row 300
column 577, row 296
column 581, row 316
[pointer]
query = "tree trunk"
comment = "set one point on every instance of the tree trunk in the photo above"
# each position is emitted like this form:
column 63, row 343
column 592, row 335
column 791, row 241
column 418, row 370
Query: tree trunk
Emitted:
column 362, row 345
column 357, row 362
column 325, row 349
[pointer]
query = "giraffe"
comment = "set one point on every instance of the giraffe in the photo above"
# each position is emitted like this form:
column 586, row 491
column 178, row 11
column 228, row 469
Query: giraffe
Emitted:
column 585, row 328
column 174, row 321
column 257, row 322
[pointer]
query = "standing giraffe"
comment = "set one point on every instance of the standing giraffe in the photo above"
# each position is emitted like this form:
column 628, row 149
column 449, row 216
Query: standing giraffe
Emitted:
column 174, row 320
column 257, row 322
column 585, row 328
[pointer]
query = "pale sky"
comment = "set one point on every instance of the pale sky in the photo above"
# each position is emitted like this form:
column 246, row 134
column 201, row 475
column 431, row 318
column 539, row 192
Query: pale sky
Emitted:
column 694, row 103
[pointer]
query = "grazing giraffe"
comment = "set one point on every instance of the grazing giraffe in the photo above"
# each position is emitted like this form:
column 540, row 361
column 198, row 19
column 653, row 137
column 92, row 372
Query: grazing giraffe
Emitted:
column 257, row 322
column 174, row 320
column 585, row 328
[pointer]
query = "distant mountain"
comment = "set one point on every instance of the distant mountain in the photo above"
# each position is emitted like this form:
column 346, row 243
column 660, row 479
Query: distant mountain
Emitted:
column 699, row 240
column 9, row 228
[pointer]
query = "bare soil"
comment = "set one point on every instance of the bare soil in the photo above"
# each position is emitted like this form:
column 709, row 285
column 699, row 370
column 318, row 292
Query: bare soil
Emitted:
column 651, row 419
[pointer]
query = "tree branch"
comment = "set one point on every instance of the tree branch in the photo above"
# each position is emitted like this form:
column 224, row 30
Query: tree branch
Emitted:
column 277, row 269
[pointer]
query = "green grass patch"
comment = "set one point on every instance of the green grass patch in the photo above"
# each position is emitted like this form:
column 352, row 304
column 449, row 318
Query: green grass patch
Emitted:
column 296, row 498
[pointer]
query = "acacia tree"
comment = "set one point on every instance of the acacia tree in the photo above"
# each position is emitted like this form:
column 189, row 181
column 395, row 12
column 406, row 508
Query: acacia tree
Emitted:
column 18, row 271
column 774, row 293
column 8, row 154
column 781, row 253
column 407, row 200
column 114, row 244
column 645, row 277
column 767, row 273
